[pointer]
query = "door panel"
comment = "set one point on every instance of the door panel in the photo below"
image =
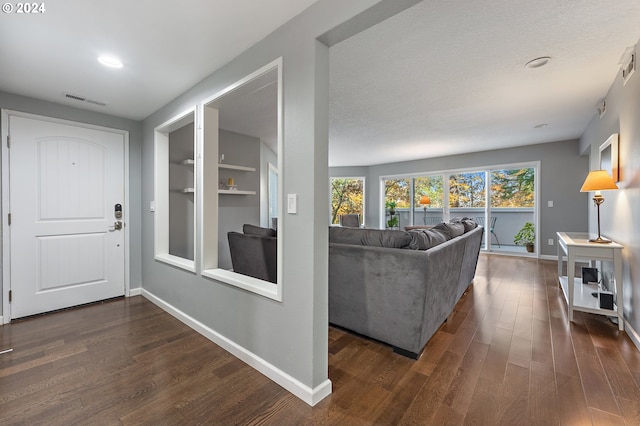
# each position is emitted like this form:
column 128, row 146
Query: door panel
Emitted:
column 64, row 183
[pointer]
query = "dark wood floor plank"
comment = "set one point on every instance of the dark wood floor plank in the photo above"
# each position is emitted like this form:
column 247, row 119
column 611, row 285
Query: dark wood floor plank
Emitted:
column 571, row 401
column 513, row 404
column 506, row 355
column 596, row 386
column 543, row 396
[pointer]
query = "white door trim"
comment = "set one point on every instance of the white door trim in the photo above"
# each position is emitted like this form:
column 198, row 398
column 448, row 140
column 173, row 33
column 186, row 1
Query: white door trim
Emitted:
column 5, row 279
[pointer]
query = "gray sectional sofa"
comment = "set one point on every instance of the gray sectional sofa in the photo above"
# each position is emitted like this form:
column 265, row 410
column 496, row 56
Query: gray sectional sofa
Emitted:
column 398, row 287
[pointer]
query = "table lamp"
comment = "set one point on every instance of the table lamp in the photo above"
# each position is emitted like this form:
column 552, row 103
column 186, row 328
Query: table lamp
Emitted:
column 598, row 180
column 425, row 201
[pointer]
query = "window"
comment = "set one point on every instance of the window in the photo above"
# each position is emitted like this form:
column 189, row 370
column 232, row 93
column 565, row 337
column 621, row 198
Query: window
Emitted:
column 467, row 190
column 431, row 212
column 347, row 197
column 175, row 191
column 233, row 186
column 502, row 199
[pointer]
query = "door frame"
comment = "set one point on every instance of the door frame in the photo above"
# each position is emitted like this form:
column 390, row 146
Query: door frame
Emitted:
column 5, row 279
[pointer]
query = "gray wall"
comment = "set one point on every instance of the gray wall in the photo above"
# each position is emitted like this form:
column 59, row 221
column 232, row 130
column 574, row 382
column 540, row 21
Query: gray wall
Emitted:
column 621, row 209
column 291, row 335
column 562, row 172
column 236, row 210
column 49, row 109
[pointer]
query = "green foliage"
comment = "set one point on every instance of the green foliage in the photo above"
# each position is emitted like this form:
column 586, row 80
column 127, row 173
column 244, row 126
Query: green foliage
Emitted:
column 347, row 197
column 397, row 190
column 393, row 221
column 526, row 235
column 390, row 205
column 467, row 190
column 431, row 186
column 512, row 188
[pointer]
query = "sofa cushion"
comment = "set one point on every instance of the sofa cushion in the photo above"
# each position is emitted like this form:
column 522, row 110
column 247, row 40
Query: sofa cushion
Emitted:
column 467, row 222
column 424, row 239
column 369, row 237
column 257, row 230
column 452, row 230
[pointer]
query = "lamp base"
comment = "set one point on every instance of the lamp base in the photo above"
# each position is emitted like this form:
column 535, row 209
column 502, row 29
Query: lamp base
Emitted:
column 600, row 240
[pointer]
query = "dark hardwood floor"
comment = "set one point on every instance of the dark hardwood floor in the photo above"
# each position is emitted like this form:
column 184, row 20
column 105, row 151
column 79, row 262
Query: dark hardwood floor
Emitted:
column 506, row 356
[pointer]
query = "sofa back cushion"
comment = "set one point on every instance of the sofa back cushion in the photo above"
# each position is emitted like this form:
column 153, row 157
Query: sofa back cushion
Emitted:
column 257, row 230
column 424, row 239
column 452, row 230
column 467, row 222
column 369, row 237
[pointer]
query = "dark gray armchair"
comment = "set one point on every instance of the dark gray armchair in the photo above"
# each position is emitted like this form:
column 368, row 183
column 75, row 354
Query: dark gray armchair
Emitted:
column 254, row 253
column 350, row 220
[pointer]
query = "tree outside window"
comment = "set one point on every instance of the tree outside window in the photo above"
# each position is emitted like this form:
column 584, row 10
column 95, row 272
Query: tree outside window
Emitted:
column 467, row 189
column 431, row 186
column 513, row 187
column 347, row 197
column 398, row 191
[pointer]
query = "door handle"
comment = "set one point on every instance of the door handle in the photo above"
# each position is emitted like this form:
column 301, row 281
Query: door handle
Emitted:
column 117, row 226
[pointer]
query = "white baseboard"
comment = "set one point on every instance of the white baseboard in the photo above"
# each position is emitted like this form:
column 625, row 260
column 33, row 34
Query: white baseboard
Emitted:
column 548, row 257
column 1, row 320
column 633, row 334
column 135, row 292
column 305, row 393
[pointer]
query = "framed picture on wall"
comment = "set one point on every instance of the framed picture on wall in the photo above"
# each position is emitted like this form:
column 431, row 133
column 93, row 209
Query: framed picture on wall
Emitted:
column 609, row 157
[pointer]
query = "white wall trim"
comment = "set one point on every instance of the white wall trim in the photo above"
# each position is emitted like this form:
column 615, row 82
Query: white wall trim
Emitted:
column 632, row 333
column 305, row 393
column 135, row 292
column 1, row 320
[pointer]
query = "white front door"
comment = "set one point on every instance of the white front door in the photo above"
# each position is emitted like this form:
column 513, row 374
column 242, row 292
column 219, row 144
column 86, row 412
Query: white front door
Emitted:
column 65, row 182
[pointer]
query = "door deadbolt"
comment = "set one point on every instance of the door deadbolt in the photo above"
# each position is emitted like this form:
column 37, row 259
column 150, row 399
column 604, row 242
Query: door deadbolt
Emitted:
column 117, row 211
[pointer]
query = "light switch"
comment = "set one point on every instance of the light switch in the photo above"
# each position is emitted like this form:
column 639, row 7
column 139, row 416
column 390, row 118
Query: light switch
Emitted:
column 292, row 203
column 550, row 203
column 550, row 242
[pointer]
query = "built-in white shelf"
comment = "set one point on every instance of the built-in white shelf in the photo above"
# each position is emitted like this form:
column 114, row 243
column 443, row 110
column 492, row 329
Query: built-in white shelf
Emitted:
column 234, row 167
column 189, row 162
column 188, row 190
column 235, row 192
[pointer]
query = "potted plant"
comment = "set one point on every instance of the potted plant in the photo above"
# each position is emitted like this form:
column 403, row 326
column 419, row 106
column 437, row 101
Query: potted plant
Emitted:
column 526, row 237
column 393, row 222
column 391, row 205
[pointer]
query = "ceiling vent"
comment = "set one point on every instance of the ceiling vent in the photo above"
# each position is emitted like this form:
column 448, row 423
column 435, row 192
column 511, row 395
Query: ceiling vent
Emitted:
column 628, row 64
column 83, row 99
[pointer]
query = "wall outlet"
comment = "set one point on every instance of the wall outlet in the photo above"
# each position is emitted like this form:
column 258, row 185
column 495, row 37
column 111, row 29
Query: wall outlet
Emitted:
column 550, row 242
column 550, row 203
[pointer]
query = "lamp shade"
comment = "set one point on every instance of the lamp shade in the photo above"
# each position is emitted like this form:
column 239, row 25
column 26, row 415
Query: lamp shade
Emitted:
column 425, row 200
column 598, row 180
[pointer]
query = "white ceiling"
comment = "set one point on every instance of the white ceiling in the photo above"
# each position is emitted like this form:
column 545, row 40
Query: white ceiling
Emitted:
column 440, row 78
column 448, row 77
column 166, row 47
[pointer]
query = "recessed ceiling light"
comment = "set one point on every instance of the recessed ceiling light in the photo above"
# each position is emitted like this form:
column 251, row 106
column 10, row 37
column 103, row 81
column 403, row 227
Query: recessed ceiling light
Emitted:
column 538, row 62
column 110, row 61
column 540, row 126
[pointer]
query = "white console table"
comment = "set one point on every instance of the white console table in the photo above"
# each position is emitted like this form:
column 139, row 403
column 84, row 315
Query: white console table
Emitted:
column 578, row 296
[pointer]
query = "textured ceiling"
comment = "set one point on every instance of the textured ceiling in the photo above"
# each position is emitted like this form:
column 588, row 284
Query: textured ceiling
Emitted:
column 440, row 78
column 447, row 77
